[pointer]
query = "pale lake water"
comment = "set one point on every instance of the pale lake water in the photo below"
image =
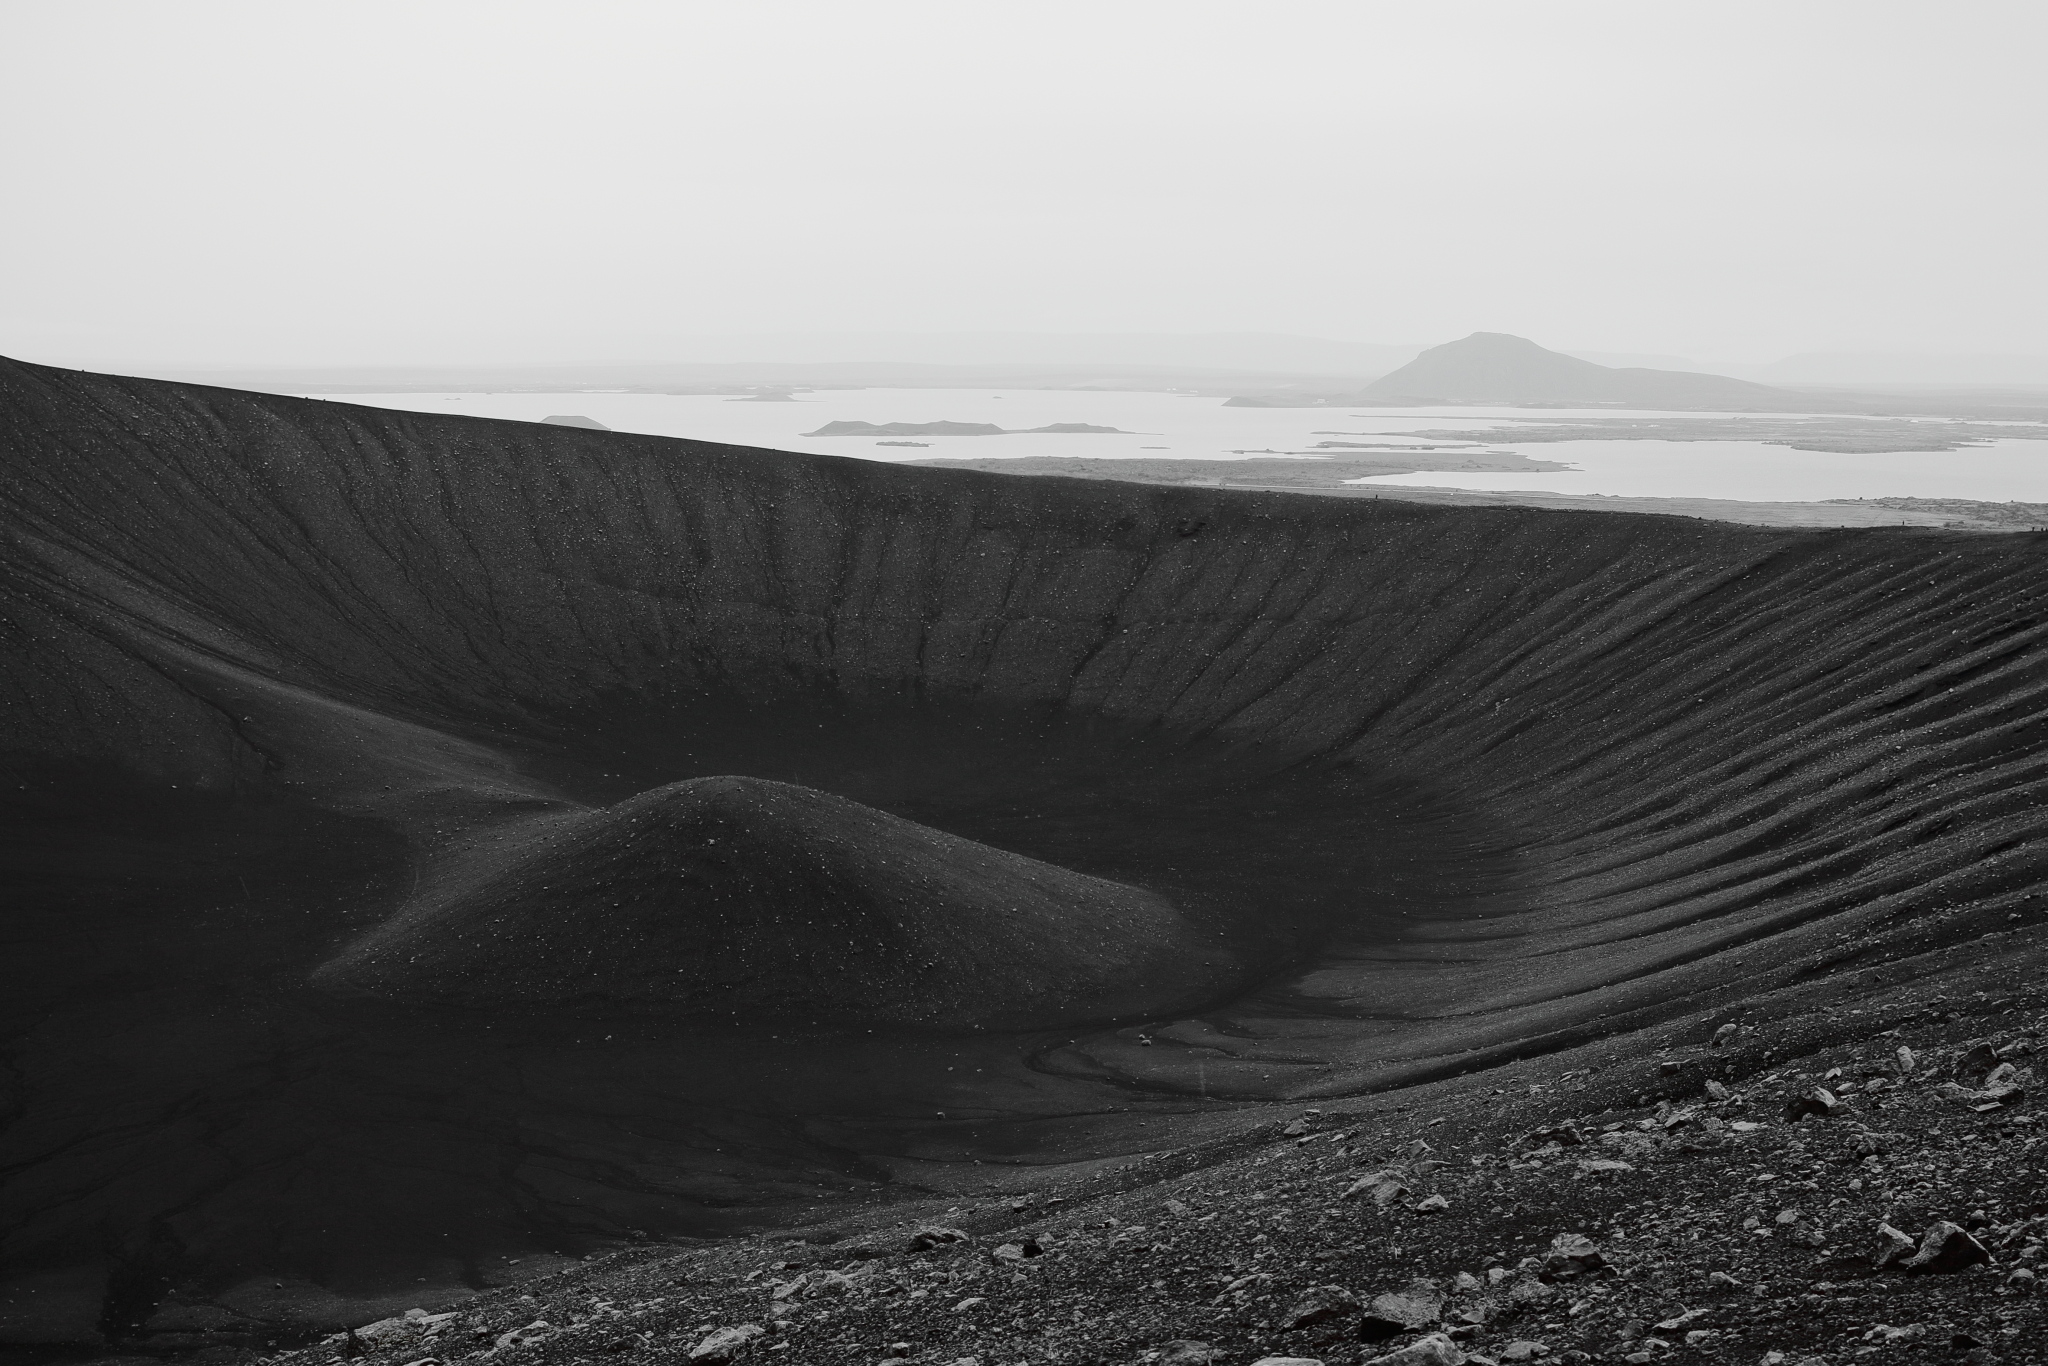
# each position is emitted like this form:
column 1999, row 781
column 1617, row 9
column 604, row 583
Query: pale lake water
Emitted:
column 1185, row 427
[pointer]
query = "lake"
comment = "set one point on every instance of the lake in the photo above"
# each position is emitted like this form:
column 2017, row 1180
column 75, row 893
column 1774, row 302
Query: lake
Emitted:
column 1189, row 427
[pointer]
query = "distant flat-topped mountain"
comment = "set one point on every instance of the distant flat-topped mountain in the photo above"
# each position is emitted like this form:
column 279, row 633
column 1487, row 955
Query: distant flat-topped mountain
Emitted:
column 949, row 429
column 1493, row 367
column 576, row 420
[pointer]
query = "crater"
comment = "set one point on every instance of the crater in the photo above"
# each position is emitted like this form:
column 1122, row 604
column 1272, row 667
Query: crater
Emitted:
column 364, row 769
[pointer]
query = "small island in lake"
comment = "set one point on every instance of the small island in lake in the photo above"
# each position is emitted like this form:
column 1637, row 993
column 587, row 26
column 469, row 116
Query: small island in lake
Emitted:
column 955, row 429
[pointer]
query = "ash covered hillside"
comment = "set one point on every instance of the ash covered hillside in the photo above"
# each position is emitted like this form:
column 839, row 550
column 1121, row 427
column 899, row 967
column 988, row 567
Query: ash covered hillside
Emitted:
column 325, row 725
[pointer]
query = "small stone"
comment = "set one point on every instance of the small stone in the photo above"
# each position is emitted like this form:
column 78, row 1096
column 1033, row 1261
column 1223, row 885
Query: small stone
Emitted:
column 1288, row 1361
column 934, row 1235
column 1945, row 1249
column 725, row 1344
column 1383, row 1186
column 1434, row 1350
column 1573, row 1254
column 1522, row 1349
column 1189, row 1352
column 1409, row 1312
column 1297, row 1128
column 1893, row 1246
column 1819, row 1102
column 2021, row 1281
column 1319, row 1305
column 1434, row 1204
column 970, row 1302
column 827, row 1283
column 1716, row 1091
column 1725, row 1034
column 537, row 1331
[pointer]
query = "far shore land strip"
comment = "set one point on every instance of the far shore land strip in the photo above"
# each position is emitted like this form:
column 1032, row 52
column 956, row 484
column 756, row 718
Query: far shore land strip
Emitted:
column 1332, row 466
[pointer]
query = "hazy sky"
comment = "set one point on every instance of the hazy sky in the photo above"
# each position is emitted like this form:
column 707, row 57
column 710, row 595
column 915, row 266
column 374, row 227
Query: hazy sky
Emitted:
column 200, row 182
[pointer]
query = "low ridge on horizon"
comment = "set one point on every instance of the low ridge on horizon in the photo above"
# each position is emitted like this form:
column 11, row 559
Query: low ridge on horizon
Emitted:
column 1496, row 367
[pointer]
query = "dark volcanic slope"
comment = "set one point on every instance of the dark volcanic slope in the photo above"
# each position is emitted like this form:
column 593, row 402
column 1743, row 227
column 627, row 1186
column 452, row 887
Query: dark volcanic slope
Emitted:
column 1493, row 367
column 1453, row 785
column 737, row 897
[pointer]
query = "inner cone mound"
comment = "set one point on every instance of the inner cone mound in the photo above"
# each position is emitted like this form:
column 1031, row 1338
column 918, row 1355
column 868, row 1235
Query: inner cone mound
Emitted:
column 751, row 899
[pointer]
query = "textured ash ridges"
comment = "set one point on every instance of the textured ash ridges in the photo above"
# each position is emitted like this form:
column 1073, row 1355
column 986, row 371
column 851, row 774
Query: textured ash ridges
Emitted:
column 734, row 897
column 1696, row 735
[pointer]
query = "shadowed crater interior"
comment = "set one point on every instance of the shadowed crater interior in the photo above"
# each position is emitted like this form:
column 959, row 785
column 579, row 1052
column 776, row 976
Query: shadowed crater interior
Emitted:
column 431, row 841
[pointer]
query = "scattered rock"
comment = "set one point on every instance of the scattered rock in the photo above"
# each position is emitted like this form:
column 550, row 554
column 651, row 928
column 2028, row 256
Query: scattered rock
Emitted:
column 1407, row 1312
column 1189, row 1352
column 1319, row 1305
column 1384, row 1186
column 1573, row 1254
column 1819, row 1102
column 934, row 1235
column 1893, row 1245
column 537, row 1331
column 1946, row 1248
column 1434, row 1350
column 725, row 1344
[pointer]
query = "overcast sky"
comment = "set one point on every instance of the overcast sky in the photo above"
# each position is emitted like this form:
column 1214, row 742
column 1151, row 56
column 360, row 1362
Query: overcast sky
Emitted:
column 198, row 182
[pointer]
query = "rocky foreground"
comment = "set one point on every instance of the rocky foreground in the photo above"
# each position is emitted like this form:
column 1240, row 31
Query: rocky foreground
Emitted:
column 1859, row 1182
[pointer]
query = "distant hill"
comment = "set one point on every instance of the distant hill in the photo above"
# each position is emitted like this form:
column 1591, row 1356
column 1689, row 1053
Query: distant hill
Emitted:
column 576, row 420
column 1492, row 367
